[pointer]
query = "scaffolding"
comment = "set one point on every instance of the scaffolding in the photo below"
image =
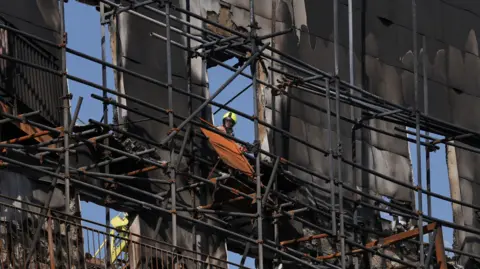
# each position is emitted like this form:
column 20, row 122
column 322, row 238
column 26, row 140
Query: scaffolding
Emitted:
column 255, row 178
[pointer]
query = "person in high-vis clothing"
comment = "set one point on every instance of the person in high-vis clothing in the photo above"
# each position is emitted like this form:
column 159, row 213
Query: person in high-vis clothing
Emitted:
column 228, row 122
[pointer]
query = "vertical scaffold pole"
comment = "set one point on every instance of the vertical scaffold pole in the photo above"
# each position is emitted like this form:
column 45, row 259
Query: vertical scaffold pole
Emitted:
column 335, row 36
column 276, row 260
column 417, row 139
column 258, row 197
column 191, row 168
column 351, row 67
column 66, row 113
column 170, row 122
column 425, row 109
column 339, row 175
column 105, row 121
column 351, row 54
column 66, row 106
column 339, row 161
column 330, row 156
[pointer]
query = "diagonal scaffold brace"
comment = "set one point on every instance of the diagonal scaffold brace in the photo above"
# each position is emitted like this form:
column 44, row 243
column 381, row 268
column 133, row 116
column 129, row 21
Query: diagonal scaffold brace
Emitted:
column 213, row 96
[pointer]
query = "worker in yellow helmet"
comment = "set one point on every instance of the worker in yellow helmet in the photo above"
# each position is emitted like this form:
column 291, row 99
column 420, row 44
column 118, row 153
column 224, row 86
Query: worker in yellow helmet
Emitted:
column 229, row 120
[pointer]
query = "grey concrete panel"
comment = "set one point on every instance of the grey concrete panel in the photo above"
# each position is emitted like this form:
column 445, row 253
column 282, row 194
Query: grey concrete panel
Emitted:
column 430, row 18
column 400, row 12
column 391, row 165
column 469, row 186
column 39, row 17
column 386, row 142
column 438, row 100
column 386, row 38
column 466, row 6
column 384, row 80
column 455, row 33
column 462, row 116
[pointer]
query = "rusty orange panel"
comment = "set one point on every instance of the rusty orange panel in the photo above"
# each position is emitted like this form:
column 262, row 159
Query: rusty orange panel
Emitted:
column 229, row 152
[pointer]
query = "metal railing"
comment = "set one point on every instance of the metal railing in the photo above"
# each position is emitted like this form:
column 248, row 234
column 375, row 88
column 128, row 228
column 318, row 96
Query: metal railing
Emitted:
column 82, row 247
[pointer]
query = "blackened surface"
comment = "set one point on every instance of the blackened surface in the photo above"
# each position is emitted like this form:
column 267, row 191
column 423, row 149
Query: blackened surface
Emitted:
column 141, row 53
column 451, row 29
column 34, row 89
column 383, row 52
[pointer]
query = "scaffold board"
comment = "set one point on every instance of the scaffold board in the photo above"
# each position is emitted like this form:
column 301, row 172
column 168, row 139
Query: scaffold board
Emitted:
column 229, row 152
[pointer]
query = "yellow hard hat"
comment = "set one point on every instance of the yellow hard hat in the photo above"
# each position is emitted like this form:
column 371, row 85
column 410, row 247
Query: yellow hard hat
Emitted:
column 232, row 116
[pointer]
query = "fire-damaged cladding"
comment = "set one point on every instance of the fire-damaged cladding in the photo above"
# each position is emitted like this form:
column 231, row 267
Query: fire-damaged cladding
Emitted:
column 23, row 225
column 129, row 33
column 383, row 60
column 311, row 41
column 383, row 65
column 26, row 87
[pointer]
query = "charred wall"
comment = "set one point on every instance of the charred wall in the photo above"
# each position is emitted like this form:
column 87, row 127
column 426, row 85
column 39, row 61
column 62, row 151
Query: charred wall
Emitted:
column 33, row 89
column 383, row 36
column 383, row 45
column 134, row 48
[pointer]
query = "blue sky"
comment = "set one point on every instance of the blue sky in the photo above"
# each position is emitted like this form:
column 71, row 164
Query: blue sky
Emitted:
column 84, row 35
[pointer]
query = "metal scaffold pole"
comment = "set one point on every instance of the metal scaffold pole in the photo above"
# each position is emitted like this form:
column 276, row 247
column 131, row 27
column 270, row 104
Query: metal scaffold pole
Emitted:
column 188, row 134
column 340, row 179
column 66, row 105
column 105, row 121
column 214, row 42
column 338, row 154
column 258, row 197
column 351, row 66
column 273, row 147
column 418, row 139
column 173, row 188
column 331, row 176
column 66, row 115
column 425, row 109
